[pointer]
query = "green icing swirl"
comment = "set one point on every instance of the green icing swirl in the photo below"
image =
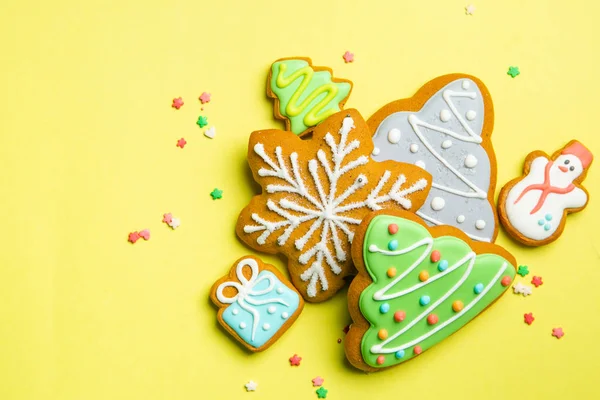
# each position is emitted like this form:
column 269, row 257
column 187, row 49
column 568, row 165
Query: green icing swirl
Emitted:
column 306, row 97
column 465, row 270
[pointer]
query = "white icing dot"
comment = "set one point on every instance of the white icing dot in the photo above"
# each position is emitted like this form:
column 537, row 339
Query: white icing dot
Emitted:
column 480, row 224
column 446, row 144
column 420, row 164
column 242, row 325
column 460, row 219
column 375, row 151
column 284, row 315
column 271, row 310
column 471, row 115
column 466, row 85
column 394, row 135
column 437, row 203
column 279, row 290
column 445, row 115
column 372, row 248
column 235, row 311
column 266, row 327
column 414, row 148
column 470, row 161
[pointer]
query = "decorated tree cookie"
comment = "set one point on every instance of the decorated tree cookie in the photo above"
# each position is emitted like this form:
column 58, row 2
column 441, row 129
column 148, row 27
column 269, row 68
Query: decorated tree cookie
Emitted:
column 417, row 286
column 315, row 194
column 533, row 207
column 305, row 95
column 445, row 129
column 257, row 304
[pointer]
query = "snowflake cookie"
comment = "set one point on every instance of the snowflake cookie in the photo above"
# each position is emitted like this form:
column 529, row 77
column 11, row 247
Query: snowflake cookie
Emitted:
column 315, row 194
column 416, row 286
column 257, row 304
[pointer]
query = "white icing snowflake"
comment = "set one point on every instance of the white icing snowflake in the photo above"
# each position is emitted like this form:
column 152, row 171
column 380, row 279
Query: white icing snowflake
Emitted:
column 324, row 210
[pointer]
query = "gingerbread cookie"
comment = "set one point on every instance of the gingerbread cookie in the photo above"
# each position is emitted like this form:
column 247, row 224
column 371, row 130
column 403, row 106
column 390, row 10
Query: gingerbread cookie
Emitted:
column 257, row 304
column 315, row 194
column 305, row 95
column 445, row 129
column 416, row 285
column 533, row 207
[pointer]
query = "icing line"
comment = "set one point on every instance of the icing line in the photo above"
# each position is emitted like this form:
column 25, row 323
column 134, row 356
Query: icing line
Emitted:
column 378, row 349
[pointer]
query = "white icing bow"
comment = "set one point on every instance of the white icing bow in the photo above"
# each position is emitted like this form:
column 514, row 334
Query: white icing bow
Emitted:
column 246, row 291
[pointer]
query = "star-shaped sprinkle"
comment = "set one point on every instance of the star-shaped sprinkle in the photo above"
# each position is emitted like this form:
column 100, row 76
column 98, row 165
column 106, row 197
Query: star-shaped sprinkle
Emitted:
column 525, row 290
column 321, row 393
column 557, row 333
column 523, row 270
column 348, row 57
column 251, row 386
column 145, row 234
column 204, row 97
column 537, row 281
column 181, row 143
column 513, row 71
column 216, row 194
column 175, row 222
column 167, row 218
column 528, row 318
column 133, row 237
column 202, row 121
column 177, row 103
column 318, row 381
column 470, row 9
column 295, row 360
column 210, row 132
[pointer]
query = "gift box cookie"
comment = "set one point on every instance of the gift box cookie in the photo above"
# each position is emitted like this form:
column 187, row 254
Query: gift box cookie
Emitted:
column 256, row 303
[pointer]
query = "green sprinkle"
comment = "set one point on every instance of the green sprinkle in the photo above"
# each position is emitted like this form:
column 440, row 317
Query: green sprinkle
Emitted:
column 513, row 71
column 216, row 194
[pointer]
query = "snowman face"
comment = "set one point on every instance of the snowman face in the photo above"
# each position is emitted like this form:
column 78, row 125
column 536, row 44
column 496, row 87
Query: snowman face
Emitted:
column 568, row 167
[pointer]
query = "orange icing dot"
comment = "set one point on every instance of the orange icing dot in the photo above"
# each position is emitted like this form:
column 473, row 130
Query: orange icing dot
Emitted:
column 423, row 276
column 380, row 360
column 391, row 272
column 418, row 350
column 382, row 334
column 457, row 306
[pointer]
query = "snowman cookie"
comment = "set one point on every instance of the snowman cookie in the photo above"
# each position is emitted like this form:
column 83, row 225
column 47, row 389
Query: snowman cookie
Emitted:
column 533, row 207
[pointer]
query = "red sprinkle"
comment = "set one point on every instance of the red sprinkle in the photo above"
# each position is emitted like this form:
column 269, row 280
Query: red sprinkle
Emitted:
column 435, row 256
column 380, row 360
column 392, row 228
column 506, row 281
column 399, row 316
column 418, row 350
column 432, row 319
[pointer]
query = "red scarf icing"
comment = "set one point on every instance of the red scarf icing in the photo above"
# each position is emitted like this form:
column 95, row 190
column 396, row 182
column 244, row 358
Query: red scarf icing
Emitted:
column 546, row 189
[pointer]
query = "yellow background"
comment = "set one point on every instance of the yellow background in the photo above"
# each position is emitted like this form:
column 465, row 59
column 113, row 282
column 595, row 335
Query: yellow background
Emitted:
column 87, row 154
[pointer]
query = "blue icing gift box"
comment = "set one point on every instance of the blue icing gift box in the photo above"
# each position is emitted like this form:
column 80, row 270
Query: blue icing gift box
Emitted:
column 261, row 307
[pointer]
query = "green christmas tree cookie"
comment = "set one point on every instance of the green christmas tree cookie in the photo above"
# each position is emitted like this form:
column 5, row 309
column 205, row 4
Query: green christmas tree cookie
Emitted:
column 417, row 286
column 305, row 95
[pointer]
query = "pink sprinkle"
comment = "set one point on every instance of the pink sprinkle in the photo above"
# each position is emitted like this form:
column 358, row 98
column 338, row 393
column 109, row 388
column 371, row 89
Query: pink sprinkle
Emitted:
column 145, row 234
column 133, row 237
column 204, row 97
column 177, row 103
column 348, row 57
column 167, row 218
column 181, row 143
